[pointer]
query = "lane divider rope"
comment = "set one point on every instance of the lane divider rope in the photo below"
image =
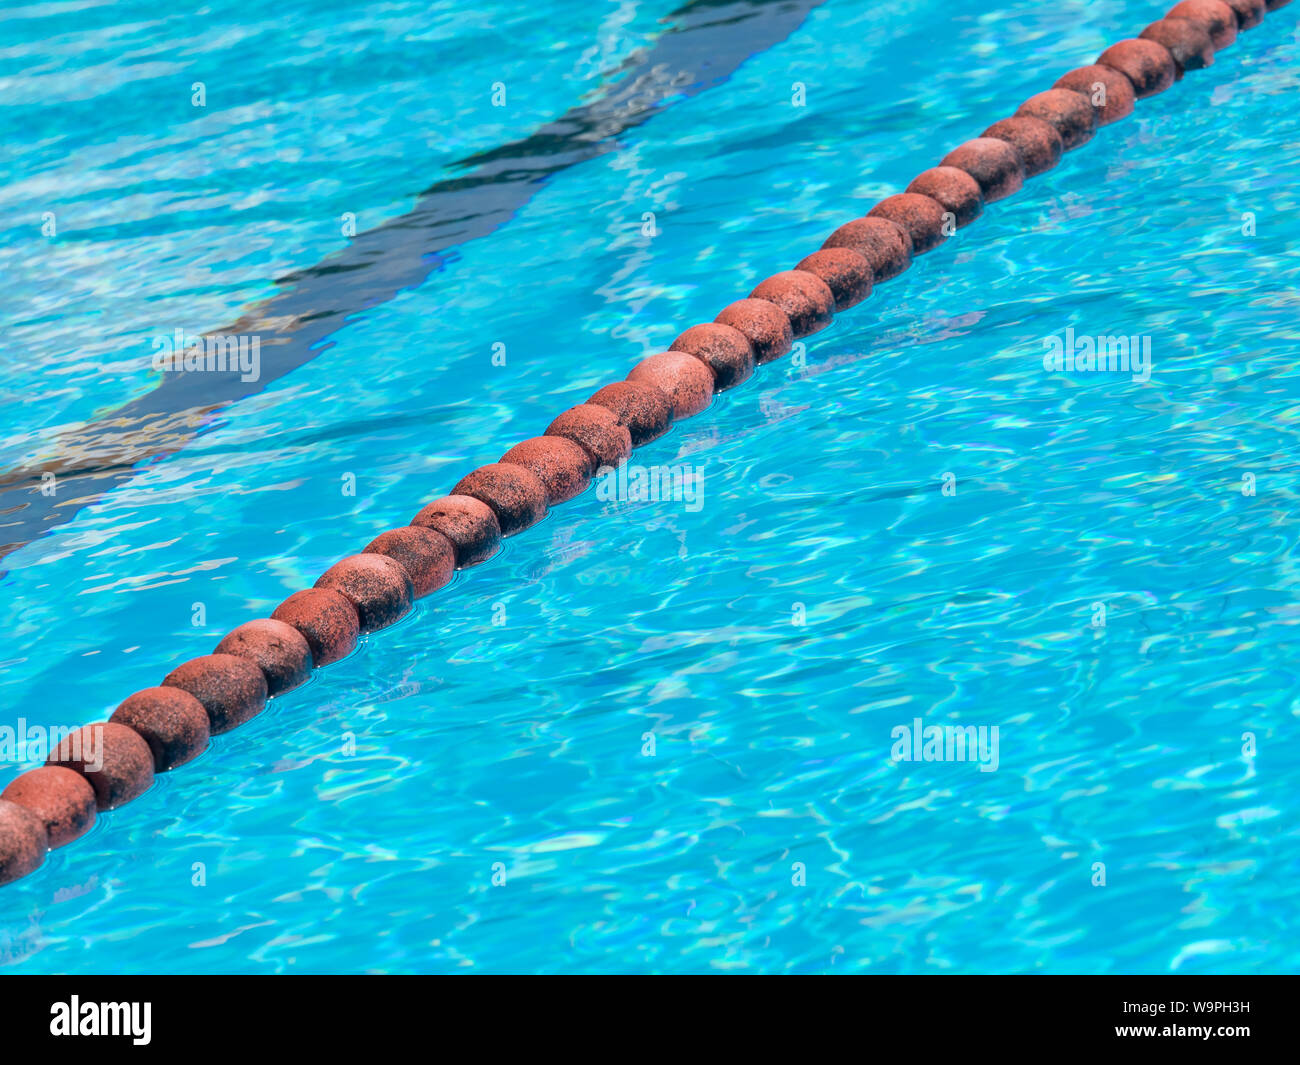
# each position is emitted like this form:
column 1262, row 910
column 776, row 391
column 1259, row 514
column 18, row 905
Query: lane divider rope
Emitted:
column 107, row 764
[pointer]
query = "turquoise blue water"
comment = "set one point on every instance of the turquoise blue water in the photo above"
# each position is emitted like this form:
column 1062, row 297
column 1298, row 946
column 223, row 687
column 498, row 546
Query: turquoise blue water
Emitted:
column 498, row 732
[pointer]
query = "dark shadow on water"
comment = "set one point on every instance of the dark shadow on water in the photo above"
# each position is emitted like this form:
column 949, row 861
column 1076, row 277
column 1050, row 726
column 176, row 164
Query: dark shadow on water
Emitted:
column 703, row 45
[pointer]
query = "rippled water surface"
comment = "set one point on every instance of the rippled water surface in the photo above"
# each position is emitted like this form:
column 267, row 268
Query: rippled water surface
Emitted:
column 766, row 641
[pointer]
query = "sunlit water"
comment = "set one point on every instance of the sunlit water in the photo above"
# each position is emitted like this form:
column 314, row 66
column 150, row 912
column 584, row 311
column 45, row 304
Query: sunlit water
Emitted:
column 502, row 729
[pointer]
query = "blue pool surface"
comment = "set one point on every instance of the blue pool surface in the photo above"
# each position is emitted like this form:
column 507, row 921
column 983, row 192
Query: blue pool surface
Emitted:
column 498, row 732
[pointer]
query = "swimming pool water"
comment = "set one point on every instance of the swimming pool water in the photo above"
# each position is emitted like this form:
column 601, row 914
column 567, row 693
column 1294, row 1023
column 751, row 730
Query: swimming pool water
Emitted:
column 360, row 822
